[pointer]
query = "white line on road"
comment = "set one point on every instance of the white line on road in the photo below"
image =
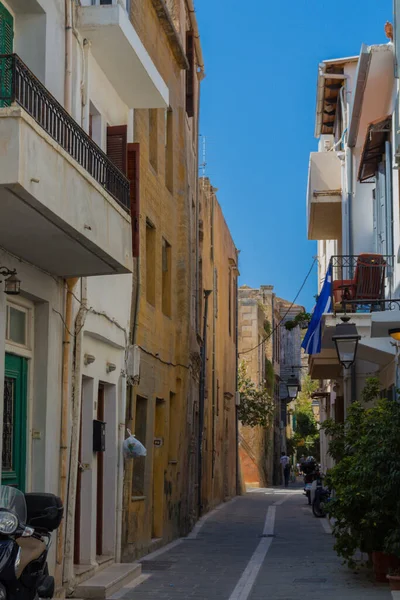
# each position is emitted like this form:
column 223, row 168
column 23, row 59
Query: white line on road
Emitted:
column 269, row 521
column 245, row 584
column 280, row 502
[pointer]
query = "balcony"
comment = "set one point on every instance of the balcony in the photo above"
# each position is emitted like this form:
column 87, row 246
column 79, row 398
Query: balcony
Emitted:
column 121, row 55
column 65, row 206
column 324, row 198
column 362, row 283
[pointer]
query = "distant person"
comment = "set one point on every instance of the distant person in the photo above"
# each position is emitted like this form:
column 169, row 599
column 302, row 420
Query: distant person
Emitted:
column 285, row 462
column 302, row 461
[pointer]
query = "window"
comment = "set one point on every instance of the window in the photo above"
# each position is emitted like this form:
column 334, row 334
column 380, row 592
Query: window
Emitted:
column 190, row 74
column 133, row 174
column 150, row 263
column 139, row 463
column 153, row 138
column 169, row 150
column 17, row 325
column 166, row 278
column 173, row 442
column 230, row 302
column 95, row 125
column 215, row 293
column 117, row 147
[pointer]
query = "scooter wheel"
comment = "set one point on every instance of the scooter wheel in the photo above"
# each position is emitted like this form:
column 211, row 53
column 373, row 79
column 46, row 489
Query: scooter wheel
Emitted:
column 318, row 511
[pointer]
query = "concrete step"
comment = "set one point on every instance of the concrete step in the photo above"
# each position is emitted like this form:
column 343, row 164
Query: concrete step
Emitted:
column 107, row 582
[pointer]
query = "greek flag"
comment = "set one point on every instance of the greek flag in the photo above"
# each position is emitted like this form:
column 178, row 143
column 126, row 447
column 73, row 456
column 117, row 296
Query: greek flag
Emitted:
column 312, row 339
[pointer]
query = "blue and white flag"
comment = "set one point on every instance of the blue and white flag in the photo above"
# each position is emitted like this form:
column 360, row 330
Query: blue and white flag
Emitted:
column 312, row 339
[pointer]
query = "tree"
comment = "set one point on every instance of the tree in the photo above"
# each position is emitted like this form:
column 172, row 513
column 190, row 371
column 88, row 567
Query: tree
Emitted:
column 256, row 405
column 306, row 437
column 366, row 476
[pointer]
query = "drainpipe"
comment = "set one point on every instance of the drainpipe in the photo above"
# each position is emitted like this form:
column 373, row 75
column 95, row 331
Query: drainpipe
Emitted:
column 201, row 401
column 120, row 467
column 238, row 486
column 68, row 57
column 193, row 21
column 66, row 359
column 75, row 435
column 349, row 169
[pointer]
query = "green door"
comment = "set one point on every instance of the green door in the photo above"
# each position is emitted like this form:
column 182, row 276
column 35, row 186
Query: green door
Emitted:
column 6, row 47
column 14, row 421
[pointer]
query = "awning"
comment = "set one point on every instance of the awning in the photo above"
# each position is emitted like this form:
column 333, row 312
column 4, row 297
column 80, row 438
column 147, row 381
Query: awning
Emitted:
column 374, row 147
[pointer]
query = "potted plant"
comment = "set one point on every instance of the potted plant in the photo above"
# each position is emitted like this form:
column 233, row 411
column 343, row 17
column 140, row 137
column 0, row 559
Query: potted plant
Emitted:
column 394, row 579
column 366, row 478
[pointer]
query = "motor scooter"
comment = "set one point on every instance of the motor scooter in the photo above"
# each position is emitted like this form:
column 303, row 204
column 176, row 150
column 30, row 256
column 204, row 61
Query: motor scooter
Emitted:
column 320, row 497
column 26, row 523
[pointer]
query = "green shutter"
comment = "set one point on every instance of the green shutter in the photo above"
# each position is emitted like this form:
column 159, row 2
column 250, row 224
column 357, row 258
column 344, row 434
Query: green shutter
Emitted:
column 6, row 47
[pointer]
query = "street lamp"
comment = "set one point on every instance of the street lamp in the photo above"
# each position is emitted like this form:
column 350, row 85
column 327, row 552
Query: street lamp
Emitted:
column 346, row 340
column 293, row 387
column 12, row 285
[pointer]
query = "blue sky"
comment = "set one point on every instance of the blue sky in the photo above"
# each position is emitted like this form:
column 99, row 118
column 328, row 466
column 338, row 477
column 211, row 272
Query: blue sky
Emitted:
column 258, row 108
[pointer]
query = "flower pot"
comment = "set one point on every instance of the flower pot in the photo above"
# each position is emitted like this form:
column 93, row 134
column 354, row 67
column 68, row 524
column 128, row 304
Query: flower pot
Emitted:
column 394, row 582
column 383, row 563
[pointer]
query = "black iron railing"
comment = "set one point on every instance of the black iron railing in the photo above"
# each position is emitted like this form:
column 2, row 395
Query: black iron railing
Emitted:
column 362, row 283
column 18, row 84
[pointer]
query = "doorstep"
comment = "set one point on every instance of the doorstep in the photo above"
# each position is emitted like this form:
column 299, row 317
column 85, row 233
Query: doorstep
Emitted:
column 108, row 581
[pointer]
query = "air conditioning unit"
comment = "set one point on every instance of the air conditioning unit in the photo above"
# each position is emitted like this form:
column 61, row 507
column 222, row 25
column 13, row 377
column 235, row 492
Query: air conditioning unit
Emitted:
column 237, row 398
column 133, row 362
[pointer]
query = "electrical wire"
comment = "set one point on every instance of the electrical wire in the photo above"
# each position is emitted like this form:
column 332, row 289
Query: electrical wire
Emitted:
column 286, row 313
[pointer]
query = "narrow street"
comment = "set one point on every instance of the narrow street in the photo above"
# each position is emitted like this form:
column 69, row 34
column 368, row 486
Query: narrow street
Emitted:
column 265, row 545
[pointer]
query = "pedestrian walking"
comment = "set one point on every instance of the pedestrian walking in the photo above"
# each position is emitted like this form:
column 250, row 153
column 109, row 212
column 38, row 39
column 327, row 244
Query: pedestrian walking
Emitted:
column 285, row 462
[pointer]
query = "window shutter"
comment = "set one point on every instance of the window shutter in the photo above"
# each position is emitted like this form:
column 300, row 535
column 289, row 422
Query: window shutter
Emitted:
column 116, row 146
column 133, row 174
column 389, row 199
column 375, row 218
column 190, row 74
column 6, row 47
column 6, row 31
column 381, row 207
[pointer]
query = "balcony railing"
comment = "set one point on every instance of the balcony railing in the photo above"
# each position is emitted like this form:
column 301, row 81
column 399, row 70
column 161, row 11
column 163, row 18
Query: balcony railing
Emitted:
column 18, row 84
column 362, row 283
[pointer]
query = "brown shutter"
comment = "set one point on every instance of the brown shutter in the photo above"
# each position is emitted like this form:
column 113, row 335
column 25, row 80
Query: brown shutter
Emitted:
column 133, row 174
column 190, row 74
column 116, row 146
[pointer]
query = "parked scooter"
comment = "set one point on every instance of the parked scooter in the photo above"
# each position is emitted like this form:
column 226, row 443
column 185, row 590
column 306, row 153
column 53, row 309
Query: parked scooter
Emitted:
column 311, row 473
column 320, row 497
column 26, row 523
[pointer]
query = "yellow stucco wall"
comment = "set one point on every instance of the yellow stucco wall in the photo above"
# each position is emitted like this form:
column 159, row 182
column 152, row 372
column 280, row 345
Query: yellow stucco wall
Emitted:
column 219, row 274
column 169, row 368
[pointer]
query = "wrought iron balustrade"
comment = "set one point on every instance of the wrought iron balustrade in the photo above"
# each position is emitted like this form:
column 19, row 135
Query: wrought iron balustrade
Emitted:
column 363, row 283
column 18, row 84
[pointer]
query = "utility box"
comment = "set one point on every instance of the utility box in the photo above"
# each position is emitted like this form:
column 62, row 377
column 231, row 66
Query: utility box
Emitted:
column 99, row 436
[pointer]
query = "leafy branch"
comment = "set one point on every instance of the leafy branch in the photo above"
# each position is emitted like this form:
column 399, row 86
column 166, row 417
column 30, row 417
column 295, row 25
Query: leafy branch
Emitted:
column 301, row 320
column 256, row 404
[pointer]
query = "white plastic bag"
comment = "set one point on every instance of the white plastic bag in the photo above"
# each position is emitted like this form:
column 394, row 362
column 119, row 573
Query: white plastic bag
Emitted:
column 132, row 447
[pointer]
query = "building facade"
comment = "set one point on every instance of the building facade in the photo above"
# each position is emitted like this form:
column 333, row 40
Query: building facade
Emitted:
column 259, row 348
column 69, row 198
column 161, row 407
column 218, row 275
column 353, row 213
